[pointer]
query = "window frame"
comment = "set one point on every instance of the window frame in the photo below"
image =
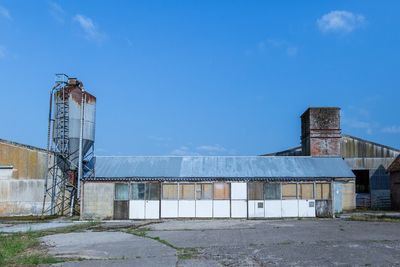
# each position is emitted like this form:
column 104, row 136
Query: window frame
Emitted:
column 180, row 185
column 226, row 185
column 272, row 183
column 201, row 197
column 322, row 197
column 176, row 185
column 289, row 197
column 115, row 191
column 300, row 190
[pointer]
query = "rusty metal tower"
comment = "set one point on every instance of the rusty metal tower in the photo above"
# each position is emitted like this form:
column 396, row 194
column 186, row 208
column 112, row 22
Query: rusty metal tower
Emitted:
column 70, row 145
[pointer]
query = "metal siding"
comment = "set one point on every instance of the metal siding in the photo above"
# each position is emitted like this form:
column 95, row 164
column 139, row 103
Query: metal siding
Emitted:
column 380, row 199
column 221, row 167
column 356, row 147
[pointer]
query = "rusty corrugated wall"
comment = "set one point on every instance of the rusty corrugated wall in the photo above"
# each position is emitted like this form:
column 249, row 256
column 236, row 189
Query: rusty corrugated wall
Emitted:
column 353, row 147
column 28, row 162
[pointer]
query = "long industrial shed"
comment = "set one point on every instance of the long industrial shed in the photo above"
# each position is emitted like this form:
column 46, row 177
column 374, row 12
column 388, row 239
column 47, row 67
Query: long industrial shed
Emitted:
column 217, row 187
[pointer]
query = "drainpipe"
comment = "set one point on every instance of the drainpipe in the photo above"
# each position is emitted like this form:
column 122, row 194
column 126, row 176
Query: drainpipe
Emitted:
column 78, row 193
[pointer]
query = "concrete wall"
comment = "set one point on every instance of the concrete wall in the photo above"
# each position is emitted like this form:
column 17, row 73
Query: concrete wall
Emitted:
column 22, row 180
column 21, row 197
column 98, row 200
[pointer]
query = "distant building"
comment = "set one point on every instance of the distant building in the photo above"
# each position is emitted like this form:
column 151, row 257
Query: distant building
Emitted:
column 321, row 136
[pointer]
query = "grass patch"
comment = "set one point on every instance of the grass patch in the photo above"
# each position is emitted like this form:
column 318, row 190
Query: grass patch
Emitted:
column 142, row 232
column 14, row 250
column 187, row 253
column 182, row 253
column 22, row 248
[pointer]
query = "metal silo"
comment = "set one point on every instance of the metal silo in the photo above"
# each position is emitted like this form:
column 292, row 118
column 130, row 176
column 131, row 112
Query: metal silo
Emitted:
column 71, row 138
column 77, row 100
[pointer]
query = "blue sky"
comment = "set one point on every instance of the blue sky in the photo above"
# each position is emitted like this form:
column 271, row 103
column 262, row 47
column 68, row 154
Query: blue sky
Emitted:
column 203, row 77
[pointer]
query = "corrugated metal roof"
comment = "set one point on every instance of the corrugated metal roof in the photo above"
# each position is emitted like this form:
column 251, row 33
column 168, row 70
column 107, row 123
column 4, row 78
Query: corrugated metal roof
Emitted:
column 220, row 167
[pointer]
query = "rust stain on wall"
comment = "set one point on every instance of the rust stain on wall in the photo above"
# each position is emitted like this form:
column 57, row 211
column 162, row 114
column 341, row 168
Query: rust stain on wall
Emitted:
column 28, row 162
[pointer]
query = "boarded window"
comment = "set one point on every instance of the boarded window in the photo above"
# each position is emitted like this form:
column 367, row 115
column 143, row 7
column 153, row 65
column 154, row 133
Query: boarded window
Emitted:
column 186, row 191
column 289, row 191
column 323, row 191
column 255, row 191
column 272, row 191
column 306, row 191
column 204, row 191
column 121, row 192
column 221, row 191
column 152, row 191
column 137, row 191
column 170, row 191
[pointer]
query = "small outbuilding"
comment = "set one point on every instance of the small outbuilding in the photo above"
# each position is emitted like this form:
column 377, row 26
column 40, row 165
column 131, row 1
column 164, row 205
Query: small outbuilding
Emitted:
column 217, row 187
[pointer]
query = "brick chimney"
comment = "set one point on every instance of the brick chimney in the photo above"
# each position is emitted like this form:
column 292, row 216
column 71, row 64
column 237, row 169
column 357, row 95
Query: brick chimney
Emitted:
column 320, row 131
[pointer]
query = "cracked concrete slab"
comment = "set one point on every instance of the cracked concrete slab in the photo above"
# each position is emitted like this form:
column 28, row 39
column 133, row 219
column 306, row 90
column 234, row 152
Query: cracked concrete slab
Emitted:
column 286, row 242
column 109, row 249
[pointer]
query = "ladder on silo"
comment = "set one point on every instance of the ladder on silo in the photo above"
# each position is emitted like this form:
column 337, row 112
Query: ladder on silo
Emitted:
column 58, row 153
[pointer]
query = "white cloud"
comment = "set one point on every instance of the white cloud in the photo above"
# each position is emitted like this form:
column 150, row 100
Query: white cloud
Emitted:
column 5, row 13
column 394, row 129
column 340, row 21
column 90, row 29
column 57, row 12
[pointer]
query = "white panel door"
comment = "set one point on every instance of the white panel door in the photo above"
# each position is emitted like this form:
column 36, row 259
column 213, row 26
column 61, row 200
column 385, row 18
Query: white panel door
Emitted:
column 238, row 191
column 239, row 208
column 169, row 208
column 222, row 209
column 152, row 209
column 290, row 208
column 307, row 208
column 273, row 209
column 187, row 209
column 256, row 208
column 136, row 209
column 204, row 208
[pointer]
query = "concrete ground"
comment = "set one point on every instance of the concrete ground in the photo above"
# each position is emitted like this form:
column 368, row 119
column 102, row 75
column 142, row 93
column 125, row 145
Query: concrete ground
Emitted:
column 109, row 249
column 328, row 242
column 25, row 227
